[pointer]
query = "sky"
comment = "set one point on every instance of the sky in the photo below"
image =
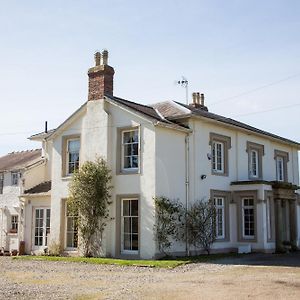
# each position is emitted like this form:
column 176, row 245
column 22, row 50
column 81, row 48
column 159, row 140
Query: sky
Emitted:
column 243, row 55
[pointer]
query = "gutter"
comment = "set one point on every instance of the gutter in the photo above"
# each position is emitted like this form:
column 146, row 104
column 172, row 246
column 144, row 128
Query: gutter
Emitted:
column 173, row 126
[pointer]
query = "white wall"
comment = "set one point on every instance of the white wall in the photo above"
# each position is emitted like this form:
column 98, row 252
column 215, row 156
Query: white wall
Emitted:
column 98, row 130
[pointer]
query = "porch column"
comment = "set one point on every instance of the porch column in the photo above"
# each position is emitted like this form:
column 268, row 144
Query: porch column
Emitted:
column 293, row 222
column 279, row 225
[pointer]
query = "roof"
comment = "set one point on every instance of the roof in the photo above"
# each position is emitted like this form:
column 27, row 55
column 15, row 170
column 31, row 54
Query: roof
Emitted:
column 168, row 113
column 41, row 135
column 171, row 111
column 19, row 160
column 43, row 187
column 144, row 109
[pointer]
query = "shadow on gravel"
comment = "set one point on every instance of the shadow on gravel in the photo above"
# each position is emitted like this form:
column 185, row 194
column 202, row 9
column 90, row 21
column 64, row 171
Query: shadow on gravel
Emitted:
column 260, row 259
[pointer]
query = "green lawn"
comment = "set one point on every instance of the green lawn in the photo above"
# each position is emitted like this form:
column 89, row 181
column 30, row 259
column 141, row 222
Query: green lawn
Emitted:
column 163, row 263
column 110, row 261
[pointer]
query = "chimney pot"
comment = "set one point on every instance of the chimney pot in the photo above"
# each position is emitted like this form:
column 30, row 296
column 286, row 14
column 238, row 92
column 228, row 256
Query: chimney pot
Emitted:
column 194, row 95
column 198, row 98
column 104, row 57
column 97, row 58
column 202, row 99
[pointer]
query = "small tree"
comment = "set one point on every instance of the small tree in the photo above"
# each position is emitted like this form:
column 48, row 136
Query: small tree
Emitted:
column 168, row 214
column 89, row 195
column 201, row 220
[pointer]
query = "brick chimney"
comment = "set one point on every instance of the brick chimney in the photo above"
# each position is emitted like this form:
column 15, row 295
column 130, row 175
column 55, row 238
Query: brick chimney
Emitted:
column 101, row 77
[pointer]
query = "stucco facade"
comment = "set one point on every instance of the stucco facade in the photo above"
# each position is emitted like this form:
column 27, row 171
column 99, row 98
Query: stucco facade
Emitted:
column 19, row 171
column 182, row 152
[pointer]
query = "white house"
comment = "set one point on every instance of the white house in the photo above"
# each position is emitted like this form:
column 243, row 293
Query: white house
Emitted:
column 168, row 149
column 18, row 171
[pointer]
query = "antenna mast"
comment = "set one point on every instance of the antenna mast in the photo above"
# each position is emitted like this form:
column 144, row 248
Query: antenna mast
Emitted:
column 185, row 84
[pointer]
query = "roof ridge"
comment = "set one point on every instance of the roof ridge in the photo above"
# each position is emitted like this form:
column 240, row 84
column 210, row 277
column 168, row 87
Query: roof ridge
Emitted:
column 24, row 151
column 239, row 124
column 132, row 102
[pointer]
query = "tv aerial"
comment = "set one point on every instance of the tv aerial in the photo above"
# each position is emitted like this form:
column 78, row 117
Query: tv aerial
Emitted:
column 185, row 84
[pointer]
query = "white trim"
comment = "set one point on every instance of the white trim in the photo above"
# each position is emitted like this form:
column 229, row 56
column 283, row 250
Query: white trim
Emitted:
column 279, row 175
column 66, row 230
column 123, row 251
column 222, row 207
column 45, row 240
column 215, row 157
column 254, row 160
column 250, row 237
column 67, row 155
column 123, row 152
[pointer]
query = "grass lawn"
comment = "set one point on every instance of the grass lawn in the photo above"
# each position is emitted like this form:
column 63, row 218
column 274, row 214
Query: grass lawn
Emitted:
column 162, row 263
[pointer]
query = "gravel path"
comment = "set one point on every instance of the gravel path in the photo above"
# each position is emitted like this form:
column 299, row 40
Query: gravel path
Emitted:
column 21, row 279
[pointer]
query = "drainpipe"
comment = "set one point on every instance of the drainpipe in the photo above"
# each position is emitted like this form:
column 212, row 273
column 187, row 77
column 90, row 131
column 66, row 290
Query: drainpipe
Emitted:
column 187, row 187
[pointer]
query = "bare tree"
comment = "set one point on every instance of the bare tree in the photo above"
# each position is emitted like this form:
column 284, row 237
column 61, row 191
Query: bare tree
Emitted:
column 201, row 224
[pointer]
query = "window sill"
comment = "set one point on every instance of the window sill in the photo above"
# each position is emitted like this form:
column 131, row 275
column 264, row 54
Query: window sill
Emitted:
column 219, row 174
column 222, row 240
column 67, row 178
column 128, row 172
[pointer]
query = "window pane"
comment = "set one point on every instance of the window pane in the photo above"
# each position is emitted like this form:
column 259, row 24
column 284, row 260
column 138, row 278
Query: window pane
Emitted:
column 135, row 225
column 74, row 146
column 127, row 225
column 127, row 242
column 135, row 162
column 135, row 242
column 126, row 207
column 135, row 149
column 134, row 207
column 130, row 149
column 127, row 150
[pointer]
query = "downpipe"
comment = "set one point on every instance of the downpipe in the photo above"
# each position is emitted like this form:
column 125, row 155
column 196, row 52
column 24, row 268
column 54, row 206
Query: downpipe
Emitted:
column 187, row 188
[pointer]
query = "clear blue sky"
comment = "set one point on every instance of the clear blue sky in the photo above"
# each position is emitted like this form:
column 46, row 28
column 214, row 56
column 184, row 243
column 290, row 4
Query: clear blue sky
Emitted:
column 224, row 48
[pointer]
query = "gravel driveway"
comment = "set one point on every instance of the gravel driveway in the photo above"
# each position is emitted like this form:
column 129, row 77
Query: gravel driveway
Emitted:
column 21, row 279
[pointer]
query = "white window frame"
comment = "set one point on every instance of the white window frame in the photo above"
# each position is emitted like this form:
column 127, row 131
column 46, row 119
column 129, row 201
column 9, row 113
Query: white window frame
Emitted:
column 280, row 169
column 69, row 216
column 244, row 207
column 126, row 251
column 14, row 226
column 15, row 178
column 254, row 172
column 216, row 157
column 123, row 151
column 67, row 155
column 44, row 227
column 219, row 207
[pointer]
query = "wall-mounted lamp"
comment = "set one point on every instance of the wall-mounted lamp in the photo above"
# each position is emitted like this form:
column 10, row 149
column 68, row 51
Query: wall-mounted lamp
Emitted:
column 203, row 177
column 208, row 156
